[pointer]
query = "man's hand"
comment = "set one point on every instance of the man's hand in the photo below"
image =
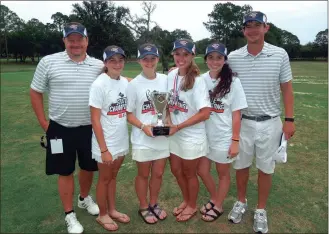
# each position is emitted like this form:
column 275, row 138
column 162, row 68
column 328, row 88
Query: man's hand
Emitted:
column 289, row 129
column 45, row 125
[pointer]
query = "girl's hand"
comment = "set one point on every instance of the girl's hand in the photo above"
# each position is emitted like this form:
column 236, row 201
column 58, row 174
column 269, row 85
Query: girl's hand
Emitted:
column 107, row 158
column 234, row 149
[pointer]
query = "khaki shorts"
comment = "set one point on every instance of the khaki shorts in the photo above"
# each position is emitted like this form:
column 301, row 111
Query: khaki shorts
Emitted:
column 260, row 138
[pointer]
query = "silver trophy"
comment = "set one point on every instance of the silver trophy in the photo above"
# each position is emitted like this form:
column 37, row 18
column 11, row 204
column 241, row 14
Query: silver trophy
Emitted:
column 159, row 101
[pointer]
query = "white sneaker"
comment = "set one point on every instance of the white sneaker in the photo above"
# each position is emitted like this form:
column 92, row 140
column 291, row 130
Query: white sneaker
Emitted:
column 89, row 204
column 73, row 225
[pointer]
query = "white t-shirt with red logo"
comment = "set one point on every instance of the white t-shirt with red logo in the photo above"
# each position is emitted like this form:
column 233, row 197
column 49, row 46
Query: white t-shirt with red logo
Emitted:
column 219, row 125
column 186, row 104
column 140, row 105
column 110, row 96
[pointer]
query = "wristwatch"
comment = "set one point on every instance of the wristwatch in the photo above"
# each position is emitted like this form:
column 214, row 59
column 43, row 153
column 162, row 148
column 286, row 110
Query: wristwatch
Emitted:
column 289, row 119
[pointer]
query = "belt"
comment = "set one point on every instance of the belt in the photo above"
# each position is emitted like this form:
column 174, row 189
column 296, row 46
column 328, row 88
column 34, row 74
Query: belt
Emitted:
column 258, row 118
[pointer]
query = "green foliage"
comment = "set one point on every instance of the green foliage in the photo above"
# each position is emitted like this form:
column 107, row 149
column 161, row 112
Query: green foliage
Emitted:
column 108, row 24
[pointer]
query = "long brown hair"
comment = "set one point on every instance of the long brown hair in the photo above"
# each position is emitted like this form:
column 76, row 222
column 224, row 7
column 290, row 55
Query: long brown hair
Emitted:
column 192, row 72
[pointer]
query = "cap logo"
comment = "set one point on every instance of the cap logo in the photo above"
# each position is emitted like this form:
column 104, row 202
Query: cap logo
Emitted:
column 253, row 14
column 74, row 26
column 183, row 42
column 115, row 49
column 215, row 46
column 148, row 48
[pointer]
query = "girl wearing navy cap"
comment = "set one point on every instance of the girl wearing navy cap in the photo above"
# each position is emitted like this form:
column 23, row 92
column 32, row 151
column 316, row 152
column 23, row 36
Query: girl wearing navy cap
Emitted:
column 149, row 152
column 189, row 108
column 110, row 142
column 223, row 127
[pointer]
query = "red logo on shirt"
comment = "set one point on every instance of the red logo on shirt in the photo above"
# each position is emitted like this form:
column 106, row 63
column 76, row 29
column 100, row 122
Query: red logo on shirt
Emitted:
column 147, row 106
column 176, row 104
column 120, row 107
column 216, row 105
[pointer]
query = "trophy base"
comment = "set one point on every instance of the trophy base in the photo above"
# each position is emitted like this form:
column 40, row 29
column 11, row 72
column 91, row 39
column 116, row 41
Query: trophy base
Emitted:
column 160, row 131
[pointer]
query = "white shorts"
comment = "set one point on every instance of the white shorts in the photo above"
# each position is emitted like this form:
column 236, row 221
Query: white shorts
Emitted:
column 115, row 156
column 146, row 155
column 187, row 150
column 220, row 156
column 262, row 138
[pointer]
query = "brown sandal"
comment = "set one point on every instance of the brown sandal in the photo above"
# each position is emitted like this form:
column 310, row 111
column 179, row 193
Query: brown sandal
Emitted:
column 185, row 220
column 104, row 224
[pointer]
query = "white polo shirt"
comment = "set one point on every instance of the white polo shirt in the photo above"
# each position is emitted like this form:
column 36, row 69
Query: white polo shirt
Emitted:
column 68, row 84
column 261, row 76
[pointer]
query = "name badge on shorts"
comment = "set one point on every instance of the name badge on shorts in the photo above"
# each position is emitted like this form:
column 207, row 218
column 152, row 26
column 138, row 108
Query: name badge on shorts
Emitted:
column 56, row 146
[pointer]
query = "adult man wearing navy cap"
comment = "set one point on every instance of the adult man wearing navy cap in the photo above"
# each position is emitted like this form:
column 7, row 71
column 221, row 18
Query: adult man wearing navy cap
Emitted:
column 263, row 70
column 67, row 76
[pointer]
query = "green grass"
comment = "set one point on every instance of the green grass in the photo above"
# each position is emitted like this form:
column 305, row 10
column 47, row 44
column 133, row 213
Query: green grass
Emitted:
column 298, row 200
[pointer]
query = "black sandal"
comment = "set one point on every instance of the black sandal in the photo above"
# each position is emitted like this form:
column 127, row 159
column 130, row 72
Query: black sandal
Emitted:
column 148, row 214
column 207, row 209
column 218, row 214
column 156, row 210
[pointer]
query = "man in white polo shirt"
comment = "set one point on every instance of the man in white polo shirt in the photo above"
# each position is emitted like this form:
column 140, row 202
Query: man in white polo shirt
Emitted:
column 67, row 77
column 263, row 70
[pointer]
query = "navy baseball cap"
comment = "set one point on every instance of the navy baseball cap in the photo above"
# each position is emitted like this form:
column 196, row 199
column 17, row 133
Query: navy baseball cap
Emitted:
column 255, row 16
column 216, row 47
column 185, row 44
column 147, row 49
column 112, row 50
column 74, row 28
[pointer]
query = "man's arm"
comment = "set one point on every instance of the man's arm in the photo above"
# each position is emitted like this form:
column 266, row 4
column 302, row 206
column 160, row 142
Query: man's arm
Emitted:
column 288, row 101
column 37, row 105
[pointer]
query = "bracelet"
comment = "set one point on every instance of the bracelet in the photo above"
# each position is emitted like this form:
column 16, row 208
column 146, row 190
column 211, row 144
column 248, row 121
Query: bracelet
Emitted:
column 235, row 140
column 289, row 119
column 104, row 151
column 142, row 126
column 177, row 127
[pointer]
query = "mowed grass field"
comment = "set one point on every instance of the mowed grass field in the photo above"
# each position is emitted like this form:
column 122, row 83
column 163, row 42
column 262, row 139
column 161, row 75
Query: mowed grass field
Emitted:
column 298, row 200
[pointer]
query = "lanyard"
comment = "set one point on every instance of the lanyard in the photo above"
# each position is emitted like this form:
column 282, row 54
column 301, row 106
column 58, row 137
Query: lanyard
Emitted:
column 176, row 89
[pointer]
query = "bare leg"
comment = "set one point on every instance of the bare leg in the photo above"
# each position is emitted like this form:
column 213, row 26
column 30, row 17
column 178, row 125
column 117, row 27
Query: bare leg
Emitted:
column 190, row 173
column 264, row 188
column 176, row 168
column 85, row 181
column 204, row 167
column 66, row 190
column 242, row 177
column 158, row 167
column 141, row 185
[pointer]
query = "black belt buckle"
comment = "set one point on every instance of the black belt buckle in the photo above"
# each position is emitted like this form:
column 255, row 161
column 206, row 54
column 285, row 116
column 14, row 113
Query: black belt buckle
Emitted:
column 43, row 142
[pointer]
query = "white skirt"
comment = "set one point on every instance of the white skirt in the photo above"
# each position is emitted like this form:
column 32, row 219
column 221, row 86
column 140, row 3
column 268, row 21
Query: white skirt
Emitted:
column 187, row 150
column 146, row 155
column 220, row 156
column 98, row 158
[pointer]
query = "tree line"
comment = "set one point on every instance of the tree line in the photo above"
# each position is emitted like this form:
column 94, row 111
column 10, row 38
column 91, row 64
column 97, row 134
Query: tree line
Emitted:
column 108, row 24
